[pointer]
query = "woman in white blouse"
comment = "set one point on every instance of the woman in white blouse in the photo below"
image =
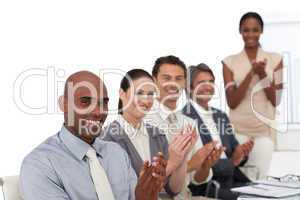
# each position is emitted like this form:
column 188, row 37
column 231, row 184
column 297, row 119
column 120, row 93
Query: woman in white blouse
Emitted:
column 143, row 141
column 252, row 81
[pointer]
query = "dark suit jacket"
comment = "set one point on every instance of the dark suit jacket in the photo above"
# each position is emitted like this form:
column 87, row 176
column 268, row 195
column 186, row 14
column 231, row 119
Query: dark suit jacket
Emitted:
column 158, row 143
column 224, row 171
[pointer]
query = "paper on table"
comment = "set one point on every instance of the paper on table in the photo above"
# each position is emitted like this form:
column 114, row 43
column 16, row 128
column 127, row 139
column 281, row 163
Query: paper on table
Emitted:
column 262, row 198
column 266, row 191
column 295, row 185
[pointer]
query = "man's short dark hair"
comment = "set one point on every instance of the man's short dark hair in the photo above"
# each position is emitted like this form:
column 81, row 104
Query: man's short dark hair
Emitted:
column 168, row 60
column 194, row 70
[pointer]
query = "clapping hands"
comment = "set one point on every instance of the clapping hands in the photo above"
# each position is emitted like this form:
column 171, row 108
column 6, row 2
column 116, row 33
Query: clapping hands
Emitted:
column 152, row 178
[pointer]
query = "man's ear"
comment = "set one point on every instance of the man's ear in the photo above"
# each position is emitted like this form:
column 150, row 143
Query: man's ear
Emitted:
column 61, row 103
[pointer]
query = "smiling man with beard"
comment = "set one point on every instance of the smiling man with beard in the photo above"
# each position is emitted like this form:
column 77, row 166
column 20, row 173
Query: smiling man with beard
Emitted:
column 76, row 164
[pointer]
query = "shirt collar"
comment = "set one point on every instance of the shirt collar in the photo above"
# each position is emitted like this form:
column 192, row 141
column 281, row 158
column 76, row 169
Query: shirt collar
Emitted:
column 129, row 129
column 162, row 110
column 77, row 146
column 200, row 109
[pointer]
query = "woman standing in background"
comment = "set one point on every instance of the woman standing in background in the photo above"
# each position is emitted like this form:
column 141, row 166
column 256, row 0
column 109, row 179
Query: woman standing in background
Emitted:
column 252, row 80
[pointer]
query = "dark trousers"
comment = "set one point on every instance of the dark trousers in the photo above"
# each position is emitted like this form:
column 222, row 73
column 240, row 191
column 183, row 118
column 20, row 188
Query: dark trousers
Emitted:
column 223, row 193
column 226, row 183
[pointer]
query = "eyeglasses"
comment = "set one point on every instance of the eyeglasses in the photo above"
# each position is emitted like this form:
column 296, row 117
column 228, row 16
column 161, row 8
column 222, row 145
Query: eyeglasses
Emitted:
column 286, row 178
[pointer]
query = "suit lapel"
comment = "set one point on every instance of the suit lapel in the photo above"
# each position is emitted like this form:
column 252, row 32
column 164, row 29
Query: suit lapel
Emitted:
column 220, row 127
column 203, row 131
column 153, row 140
column 123, row 139
column 152, row 143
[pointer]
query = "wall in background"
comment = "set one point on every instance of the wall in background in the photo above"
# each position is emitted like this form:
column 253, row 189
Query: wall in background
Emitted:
column 57, row 38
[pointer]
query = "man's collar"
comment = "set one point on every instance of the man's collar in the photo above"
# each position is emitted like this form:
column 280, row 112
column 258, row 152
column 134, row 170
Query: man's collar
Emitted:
column 77, row 146
column 200, row 109
column 162, row 110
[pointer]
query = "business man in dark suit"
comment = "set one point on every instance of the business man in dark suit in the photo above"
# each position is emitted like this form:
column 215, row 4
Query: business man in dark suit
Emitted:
column 214, row 124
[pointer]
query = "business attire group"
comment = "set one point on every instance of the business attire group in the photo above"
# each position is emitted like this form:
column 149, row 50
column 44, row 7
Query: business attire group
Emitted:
column 154, row 149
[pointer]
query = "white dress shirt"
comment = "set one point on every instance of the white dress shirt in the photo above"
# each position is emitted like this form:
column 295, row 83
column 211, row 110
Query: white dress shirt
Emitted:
column 138, row 136
column 158, row 116
column 208, row 120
